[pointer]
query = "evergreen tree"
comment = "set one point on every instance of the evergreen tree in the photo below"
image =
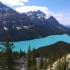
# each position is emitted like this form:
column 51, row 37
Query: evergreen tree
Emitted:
column 41, row 63
column 64, row 63
column 21, row 53
column 24, row 53
column 33, row 67
column 7, row 49
column 33, row 57
column 45, row 64
column 58, row 66
column 50, row 65
column 61, row 65
column 28, row 64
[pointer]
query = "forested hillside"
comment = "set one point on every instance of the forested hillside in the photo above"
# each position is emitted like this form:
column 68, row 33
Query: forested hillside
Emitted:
column 58, row 50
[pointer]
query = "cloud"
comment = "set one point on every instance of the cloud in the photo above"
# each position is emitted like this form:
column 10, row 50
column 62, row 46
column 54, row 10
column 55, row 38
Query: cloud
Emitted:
column 62, row 18
column 65, row 20
column 33, row 8
column 14, row 2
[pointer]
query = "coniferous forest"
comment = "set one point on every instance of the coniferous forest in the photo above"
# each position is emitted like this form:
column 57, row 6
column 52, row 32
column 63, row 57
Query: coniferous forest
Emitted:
column 42, row 58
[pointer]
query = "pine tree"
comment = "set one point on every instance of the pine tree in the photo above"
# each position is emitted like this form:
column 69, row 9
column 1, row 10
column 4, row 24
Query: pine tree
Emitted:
column 61, row 65
column 64, row 63
column 21, row 53
column 33, row 57
column 24, row 53
column 28, row 64
column 50, row 66
column 45, row 64
column 40, row 63
column 58, row 66
column 7, row 49
column 33, row 67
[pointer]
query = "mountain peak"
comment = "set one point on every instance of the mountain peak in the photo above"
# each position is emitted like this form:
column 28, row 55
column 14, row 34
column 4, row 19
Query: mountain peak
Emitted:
column 2, row 5
column 0, row 2
column 40, row 12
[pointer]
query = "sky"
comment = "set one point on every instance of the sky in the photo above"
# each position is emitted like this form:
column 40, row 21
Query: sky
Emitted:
column 60, row 9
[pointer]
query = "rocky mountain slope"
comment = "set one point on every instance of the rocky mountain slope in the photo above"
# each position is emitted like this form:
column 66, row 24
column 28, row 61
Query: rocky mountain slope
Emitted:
column 39, row 17
column 27, row 26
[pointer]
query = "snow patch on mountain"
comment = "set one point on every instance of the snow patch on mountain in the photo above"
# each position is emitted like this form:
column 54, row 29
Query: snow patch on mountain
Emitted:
column 29, row 14
column 18, row 28
column 39, row 14
column 39, row 17
column 25, row 27
column 47, row 16
column 5, row 28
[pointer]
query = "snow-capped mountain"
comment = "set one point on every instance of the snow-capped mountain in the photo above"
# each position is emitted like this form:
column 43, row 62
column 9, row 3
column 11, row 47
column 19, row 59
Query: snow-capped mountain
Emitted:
column 11, row 18
column 48, row 21
column 39, row 16
column 27, row 26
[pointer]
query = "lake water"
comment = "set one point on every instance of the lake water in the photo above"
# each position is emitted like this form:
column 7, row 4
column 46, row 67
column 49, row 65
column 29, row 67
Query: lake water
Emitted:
column 41, row 42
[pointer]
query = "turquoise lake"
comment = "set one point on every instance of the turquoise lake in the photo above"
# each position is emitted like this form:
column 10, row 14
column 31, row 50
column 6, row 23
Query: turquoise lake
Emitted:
column 41, row 42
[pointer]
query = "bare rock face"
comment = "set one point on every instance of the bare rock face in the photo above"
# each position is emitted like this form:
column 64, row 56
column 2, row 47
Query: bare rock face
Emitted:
column 68, row 60
column 9, row 17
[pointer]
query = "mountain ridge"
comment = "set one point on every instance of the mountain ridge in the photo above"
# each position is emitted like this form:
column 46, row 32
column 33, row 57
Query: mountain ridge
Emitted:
column 20, row 26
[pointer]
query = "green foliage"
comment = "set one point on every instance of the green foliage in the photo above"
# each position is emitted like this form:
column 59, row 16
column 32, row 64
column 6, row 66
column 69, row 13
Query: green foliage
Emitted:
column 22, row 53
column 33, row 57
column 33, row 67
column 62, row 64
column 45, row 64
column 31, row 62
column 7, row 50
column 58, row 50
column 59, row 65
column 15, row 54
column 28, row 64
column 40, row 63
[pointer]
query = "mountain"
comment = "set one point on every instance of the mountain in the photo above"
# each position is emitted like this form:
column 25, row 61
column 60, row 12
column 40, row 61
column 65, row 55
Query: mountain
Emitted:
column 10, row 18
column 68, row 26
column 49, row 22
column 39, row 17
column 15, row 24
column 27, row 26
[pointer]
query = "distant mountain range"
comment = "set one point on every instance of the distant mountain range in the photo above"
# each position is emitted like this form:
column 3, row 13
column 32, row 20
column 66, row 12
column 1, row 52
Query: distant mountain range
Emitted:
column 29, row 25
column 68, row 26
